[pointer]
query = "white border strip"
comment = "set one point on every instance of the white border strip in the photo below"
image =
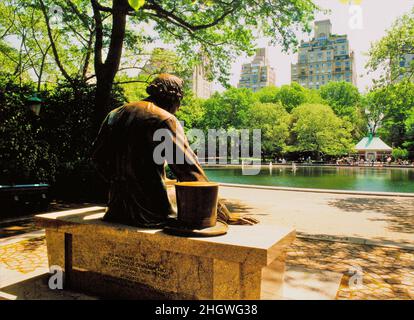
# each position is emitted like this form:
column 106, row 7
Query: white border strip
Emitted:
column 365, row 193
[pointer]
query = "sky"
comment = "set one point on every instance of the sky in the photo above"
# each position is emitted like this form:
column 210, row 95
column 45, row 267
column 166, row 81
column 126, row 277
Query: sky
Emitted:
column 377, row 17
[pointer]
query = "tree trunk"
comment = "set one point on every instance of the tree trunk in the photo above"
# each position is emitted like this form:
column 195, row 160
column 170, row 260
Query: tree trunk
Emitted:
column 106, row 72
column 102, row 98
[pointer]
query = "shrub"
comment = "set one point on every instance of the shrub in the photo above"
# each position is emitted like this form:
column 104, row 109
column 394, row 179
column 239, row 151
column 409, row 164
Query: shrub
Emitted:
column 399, row 153
column 25, row 154
column 55, row 146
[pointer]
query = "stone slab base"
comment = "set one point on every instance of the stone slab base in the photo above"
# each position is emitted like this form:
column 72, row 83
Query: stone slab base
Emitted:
column 115, row 261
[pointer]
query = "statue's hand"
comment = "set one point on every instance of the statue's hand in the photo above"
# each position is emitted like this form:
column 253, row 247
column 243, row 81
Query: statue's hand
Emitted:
column 242, row 220
column 223, row 214
column 170, row 182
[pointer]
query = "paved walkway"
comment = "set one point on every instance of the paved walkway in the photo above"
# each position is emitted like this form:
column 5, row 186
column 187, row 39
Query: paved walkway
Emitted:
column 387, row 272
column 379, row 219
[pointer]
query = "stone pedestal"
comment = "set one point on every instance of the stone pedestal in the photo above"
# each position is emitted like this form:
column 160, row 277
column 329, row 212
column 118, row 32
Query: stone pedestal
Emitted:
column 118, row 261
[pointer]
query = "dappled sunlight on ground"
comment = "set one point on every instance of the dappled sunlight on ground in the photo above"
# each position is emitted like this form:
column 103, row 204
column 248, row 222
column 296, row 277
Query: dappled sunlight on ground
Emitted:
column 387, row 273
column 398, row 213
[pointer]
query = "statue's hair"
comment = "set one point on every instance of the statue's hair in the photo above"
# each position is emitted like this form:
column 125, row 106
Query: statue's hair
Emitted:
column 166, row 86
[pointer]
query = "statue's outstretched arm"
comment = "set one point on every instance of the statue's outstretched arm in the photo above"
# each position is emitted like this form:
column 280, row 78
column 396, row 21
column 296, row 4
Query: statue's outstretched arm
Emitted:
column 191, row 170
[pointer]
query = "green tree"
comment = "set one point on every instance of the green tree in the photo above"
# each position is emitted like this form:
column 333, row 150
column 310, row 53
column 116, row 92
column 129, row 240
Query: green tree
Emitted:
column 409, row 127
column 274, row 122
column 388, row 53
column 113, row 34
column 316, row 128
column 395, row 102
column 399, row 153
column 345, row 100
column 229, row 109
column 192, row 111
column 291, row 96
column 220, row 30
column 343, row 97
column 25, row 154
column 160, row 60
column 54, row 39
column 268, row 94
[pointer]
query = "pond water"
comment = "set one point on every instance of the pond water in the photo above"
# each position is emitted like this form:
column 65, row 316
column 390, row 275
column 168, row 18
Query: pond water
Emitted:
column 338, row 178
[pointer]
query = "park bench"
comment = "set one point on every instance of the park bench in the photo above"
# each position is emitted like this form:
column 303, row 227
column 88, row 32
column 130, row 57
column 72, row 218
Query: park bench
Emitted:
column 23, row 198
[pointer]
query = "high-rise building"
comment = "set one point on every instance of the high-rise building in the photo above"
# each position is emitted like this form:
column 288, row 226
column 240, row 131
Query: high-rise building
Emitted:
column 257, row 74
column 201, row 87
column 325, row 58
column 166, row 61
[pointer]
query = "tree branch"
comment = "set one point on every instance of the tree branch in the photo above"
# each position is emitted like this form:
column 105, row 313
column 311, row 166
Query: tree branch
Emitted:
column 98, row 33
column 52, row 42
column 83, row 17
column 172, row 17
column 131, row 81
column 102, row 8
column 88, row 56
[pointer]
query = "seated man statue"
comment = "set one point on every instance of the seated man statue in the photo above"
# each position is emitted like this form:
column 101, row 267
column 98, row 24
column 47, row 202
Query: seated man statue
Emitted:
column 124, row 154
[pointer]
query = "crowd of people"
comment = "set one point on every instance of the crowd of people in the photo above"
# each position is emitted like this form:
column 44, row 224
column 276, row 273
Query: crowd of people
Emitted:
column 388, row 161
column 350, row 161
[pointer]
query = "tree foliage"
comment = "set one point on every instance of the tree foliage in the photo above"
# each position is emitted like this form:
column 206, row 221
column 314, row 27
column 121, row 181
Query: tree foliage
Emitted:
column 268, row 94
column 25, row 154
column 274, row 121
column 94, row 39
column 346, row 101
column 342, row 96
column 400, row 153
column 192, row 111
column 317, row 129
column 388, row 53
column 291, row 96
column 54, row 145
column 395, row 102
column 229, row 109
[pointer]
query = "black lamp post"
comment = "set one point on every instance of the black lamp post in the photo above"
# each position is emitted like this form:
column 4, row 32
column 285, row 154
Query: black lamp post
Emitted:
column 34, row 103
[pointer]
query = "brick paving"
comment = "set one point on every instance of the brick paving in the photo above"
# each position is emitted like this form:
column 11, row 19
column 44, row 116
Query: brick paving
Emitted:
column 16, row 228
column 24, row 256
column 387, row 273
column 23, row 225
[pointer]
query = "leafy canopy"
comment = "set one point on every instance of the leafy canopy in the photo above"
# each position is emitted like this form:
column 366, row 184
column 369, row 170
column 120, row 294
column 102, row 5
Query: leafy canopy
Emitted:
column 316, row 128
column 388, row 53
column 274, row 121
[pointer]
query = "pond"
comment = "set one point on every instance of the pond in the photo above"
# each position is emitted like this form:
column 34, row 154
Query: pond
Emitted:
column 338, row 178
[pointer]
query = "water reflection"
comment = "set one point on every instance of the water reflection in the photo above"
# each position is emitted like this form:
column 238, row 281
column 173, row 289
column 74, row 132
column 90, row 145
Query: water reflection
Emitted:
column 342, row 178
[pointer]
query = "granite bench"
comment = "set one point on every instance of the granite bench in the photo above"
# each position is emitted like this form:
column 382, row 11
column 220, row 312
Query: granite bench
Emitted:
column 117, row 261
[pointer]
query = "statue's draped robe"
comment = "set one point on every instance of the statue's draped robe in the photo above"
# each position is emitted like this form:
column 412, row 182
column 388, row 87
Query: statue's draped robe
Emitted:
column 123, row 153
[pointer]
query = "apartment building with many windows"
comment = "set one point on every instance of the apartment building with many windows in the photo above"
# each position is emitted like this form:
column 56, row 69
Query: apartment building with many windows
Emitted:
column 327, row 57
column 257, row 74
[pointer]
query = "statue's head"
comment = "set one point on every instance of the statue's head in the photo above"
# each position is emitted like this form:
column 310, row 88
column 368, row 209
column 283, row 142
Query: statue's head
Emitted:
column 166, row 91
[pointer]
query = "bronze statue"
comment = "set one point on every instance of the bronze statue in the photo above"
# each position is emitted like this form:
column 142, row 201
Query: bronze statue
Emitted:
column 123, row 154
